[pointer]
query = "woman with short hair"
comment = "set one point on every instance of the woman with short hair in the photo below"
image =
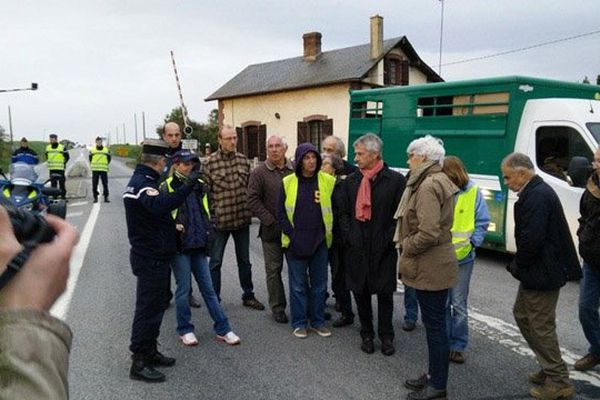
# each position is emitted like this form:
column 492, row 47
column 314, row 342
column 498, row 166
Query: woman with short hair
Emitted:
column 427, row 260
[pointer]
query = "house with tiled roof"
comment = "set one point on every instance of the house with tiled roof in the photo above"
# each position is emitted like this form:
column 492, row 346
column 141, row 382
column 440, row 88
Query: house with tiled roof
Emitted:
column 306, row 98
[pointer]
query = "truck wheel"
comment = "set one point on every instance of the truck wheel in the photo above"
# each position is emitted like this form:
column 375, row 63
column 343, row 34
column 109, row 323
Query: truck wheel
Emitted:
column 58, row 208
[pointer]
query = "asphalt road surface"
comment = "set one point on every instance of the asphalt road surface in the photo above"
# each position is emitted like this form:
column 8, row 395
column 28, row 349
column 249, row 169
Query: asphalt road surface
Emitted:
column 271, row 363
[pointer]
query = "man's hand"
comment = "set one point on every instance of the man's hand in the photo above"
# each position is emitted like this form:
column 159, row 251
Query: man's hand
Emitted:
column 43, row 278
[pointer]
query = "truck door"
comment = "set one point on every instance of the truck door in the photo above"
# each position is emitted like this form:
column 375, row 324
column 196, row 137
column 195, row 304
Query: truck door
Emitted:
column 554, row 145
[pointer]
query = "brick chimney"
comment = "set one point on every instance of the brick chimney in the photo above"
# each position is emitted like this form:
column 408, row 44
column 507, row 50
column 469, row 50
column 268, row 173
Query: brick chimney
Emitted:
column 376, row 36
column 312, row 45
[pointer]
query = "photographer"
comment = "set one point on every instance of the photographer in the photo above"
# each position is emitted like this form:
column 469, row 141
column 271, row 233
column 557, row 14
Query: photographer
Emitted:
column 35, row 346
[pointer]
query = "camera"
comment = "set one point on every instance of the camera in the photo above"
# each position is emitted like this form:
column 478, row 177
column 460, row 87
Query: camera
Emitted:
column 30, row 227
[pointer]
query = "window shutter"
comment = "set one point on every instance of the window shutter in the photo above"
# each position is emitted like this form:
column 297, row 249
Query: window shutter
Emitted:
column 386, row 71
column 327, row 128
column 262, row 142
column 303, row 132
column 404, row 67
column 240, row 140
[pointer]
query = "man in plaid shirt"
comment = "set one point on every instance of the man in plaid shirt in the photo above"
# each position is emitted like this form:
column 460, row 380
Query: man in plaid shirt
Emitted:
column 226, row 173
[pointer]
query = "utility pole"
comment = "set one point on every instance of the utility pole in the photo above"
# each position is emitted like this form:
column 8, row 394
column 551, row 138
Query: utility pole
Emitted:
column 441, row 38
column 117, row 132
column 135, row 127
column 124, row 136
column 144, row 125
column 10, row 128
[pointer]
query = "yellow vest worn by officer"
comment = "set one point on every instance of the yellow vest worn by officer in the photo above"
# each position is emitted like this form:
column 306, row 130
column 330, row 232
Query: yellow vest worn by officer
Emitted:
column 464, row 222
column 99, row 159
column 204, row 197
column 326, row 183
column 56, row 158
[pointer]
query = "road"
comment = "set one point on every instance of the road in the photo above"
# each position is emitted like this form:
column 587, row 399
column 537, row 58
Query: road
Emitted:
column 271, row 363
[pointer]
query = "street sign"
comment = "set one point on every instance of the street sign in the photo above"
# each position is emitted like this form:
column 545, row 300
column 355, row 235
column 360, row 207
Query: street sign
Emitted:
column 189, row 144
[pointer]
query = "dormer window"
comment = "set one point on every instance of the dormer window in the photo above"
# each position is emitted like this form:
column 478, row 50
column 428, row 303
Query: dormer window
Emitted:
column 395, row 71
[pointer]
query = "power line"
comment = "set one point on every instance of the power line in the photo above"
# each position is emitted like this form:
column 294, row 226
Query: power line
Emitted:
column 503, row 53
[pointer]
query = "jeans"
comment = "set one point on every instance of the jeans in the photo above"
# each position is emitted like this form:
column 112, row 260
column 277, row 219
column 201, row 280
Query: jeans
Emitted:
column 589, row 302
column 152, row 298
column 411, row 306
column 308, row 288
column 433, row 314
column 241, row 238
column 457, row 318
column 197, row 264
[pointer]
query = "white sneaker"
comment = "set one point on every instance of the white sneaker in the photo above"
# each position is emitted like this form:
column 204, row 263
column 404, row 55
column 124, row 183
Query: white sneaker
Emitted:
column 189, row 339
column 230, row 338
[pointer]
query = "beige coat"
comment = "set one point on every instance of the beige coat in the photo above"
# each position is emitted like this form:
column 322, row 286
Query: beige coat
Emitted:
column 34, row 355
column 427, row 261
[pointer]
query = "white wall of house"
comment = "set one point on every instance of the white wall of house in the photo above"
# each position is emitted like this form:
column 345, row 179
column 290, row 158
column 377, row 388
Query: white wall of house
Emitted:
column 292, row 106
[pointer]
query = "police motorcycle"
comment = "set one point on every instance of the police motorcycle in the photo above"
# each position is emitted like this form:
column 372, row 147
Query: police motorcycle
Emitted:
column 24, row 193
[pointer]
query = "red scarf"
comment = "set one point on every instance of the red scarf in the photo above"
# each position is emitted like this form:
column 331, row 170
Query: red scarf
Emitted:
column 363, row 198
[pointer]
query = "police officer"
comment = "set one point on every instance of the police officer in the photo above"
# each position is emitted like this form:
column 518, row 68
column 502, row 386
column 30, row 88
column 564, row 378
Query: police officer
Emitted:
column 25, row 154
column 151, row 231
column 57, row 158
column 99, row 160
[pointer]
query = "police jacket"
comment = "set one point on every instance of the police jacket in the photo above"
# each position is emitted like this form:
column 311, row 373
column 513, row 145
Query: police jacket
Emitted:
column 150, row 226
column 26, row 155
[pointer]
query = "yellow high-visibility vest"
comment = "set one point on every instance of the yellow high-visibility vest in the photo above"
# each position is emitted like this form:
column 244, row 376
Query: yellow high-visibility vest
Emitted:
column 56, row 158
column 99, row 159
column 326, row 183
column 176, row 211
column 464, row 222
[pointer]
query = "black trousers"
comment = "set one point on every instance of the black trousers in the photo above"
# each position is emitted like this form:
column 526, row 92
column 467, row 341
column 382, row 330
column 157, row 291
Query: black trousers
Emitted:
column 153, row 294
column 57, row 179
column 385, row 309
column 104, row 177
column 338, row 280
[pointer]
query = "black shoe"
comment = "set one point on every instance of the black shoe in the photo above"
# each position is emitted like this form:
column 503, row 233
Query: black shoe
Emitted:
column 159, row 360
column 142, row 371
column 106, row 200
column 416, row 384
column 327, row 316
column 408, row 326
column 95, row 199
column 194, row 302
column 342, row 321
column 253, row 303
column 427, row 393
column 367, row 346
column 280, row 317
column 387, row 347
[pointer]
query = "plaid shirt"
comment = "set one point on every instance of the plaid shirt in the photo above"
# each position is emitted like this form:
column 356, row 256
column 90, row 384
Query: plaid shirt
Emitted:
column 227, row 179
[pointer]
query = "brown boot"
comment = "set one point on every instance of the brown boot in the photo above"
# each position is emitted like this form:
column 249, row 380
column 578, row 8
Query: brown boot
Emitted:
column 537, row 378
column 552, row 391
column 588, row 362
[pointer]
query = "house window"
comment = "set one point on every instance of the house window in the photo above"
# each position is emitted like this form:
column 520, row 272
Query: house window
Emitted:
column 314, row 130
column 252, row 141
column 395, row 71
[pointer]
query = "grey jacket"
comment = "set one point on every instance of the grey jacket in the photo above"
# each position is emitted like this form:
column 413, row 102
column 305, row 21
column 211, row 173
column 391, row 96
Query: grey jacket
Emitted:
column 34, row 355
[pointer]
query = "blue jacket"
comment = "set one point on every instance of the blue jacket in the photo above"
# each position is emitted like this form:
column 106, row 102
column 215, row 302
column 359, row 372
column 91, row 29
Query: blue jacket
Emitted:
column 150, row 226
column 26, row 155
column 482, row 221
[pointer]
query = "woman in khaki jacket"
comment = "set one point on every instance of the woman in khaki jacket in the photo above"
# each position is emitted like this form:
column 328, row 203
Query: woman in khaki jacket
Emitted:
column 427, row 261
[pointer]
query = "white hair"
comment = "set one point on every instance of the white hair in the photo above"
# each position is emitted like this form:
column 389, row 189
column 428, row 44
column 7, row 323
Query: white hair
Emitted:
column 340, row 147
column 372, row 143
column 430, row 147
column 280, row 138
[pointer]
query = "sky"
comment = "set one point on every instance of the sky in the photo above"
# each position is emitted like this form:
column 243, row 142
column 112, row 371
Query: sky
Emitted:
column 100, row 63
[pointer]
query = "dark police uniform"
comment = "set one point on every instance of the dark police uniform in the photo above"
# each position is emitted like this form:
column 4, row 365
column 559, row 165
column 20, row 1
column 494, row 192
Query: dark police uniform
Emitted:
column 151, row 231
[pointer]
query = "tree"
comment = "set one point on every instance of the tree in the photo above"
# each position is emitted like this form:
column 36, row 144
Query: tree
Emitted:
column 203, row 132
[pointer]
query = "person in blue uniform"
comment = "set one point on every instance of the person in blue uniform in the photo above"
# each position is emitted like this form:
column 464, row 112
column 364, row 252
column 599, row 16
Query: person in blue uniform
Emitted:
column 151, row 232
column 25, row 154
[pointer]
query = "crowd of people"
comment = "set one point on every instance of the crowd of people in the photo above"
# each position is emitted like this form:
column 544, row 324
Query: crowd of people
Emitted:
column 371, row 224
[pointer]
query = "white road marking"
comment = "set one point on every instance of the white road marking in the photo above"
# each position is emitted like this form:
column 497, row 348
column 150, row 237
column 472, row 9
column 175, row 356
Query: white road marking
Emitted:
column 77, row 204
column 61, row 307
column 75, row 214
column 509, row 336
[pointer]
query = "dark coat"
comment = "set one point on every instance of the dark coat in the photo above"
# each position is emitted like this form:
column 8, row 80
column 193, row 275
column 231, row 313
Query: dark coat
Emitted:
column 546, row 256
column 589, row 224
column 370, row 250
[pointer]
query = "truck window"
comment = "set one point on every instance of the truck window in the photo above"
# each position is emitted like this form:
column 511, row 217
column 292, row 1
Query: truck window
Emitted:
column 463, row 105
column 555, row 146
column 594, row 127
column 367, row 109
